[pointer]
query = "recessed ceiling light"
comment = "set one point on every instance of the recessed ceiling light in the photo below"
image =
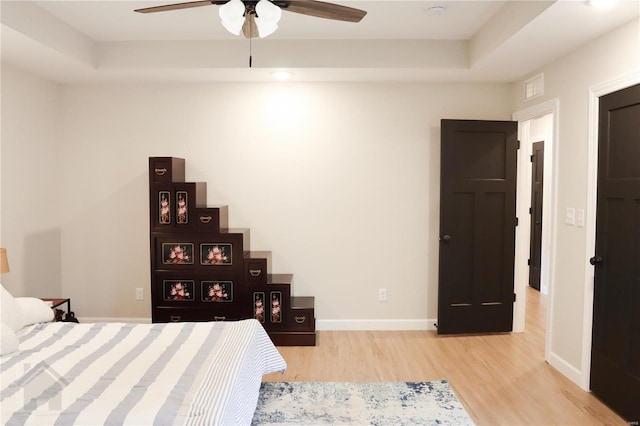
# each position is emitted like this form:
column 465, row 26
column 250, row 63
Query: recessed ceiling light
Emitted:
column 602, row 4
column 282, row 75
column 437, row 10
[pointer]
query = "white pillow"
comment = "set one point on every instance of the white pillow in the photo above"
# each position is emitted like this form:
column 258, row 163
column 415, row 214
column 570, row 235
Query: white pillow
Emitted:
column 8, row 340
column 10, row 311
column 34, row 310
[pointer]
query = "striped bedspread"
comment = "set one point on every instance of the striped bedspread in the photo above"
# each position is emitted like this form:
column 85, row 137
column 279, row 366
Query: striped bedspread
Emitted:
column 137, row 374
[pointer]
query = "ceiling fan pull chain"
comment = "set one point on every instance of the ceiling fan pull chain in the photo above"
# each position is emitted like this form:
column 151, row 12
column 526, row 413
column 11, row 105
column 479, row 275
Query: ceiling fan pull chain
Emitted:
column 250, row 52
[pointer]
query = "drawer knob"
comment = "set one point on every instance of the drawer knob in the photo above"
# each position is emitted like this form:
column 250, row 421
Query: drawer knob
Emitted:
column 221, row 318
column 175, row 318
column 255, row 272
column 160, row 172
column 301, row 320
column 205, row 219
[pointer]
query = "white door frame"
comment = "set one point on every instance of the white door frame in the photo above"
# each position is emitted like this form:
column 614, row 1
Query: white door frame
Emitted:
column 523, row 202
column 595, row 92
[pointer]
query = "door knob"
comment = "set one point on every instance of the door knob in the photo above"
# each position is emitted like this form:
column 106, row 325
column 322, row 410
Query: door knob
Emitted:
column 445, row 238
column 595, row 260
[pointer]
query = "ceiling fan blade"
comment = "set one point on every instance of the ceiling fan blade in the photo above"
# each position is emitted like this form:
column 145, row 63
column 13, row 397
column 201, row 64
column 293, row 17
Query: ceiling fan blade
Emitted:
column 323, row 10
column 177, row 6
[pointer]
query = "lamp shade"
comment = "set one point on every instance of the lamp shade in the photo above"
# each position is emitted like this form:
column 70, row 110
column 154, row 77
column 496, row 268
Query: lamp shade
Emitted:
column 232, row 16
column 4, row 262
column 267, row 17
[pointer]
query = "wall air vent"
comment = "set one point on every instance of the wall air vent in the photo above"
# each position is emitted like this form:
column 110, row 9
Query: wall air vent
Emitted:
column 534, row 87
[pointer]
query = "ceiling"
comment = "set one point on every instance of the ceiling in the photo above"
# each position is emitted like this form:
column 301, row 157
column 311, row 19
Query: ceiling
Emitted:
column 493, row 41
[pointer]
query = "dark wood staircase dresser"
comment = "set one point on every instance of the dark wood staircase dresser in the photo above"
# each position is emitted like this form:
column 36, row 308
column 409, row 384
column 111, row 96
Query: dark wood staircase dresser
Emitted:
column 202, row 270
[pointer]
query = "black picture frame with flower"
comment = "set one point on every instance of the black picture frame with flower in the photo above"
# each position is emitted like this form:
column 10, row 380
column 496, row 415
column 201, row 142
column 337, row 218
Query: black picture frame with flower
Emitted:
column 212, row 254
column 177, row 253
column 178, row 290
column 217, row 291
column 164, row 207
column 259, row 305
column 276, row 307
column 182, row 207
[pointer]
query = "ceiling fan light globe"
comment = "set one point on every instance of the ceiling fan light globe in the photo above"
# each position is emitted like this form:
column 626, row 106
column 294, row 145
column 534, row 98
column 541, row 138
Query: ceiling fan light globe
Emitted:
column 232, row 16
column 265, row 29
column 233, row 27
column 268, row 12
column 231, row 10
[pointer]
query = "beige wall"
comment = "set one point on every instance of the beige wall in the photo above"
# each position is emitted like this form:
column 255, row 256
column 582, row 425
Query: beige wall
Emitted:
column 339, row 181
column 31, row 170
column 569, row 80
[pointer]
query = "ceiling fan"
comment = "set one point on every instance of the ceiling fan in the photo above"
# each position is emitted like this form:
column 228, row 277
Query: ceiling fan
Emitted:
column 260, row 18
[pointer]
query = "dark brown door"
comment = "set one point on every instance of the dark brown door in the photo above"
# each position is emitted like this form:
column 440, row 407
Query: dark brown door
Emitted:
column 535, row 251
column 615, row 350
column 477, row 226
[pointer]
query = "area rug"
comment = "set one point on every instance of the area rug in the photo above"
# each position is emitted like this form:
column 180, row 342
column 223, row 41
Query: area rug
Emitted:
column 344, row 403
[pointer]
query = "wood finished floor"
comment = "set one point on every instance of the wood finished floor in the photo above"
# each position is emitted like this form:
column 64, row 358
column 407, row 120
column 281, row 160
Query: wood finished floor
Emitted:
column 501, row 379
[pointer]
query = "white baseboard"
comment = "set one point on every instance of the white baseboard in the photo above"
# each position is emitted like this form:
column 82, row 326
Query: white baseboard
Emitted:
column 573, row 373
column 337, row 325
column 419, row 324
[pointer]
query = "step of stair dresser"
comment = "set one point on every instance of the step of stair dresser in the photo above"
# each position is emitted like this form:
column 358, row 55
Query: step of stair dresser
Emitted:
column 301, row 330
column 212, row 219
column 303, row 317
column 257, row 265
column 166, row 169
column 280, row 279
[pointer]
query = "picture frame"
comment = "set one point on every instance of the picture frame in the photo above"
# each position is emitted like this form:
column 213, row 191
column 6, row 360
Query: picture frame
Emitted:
column 178, row 290
column 216, row 254
column 164, row 207
column 259, row 306
column 217, row 291
column 275, row 307
column 177, row 253
column 182, row 207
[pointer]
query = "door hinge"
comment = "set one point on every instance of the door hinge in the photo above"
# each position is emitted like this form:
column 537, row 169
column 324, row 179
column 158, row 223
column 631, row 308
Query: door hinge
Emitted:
column 530, row 210
column 531, row 158
column 518, row 147
column 529, row 262
column 517, row 221
column 514, row 297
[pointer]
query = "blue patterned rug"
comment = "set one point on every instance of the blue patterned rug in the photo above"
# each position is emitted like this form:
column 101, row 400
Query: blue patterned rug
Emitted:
column 377, row 403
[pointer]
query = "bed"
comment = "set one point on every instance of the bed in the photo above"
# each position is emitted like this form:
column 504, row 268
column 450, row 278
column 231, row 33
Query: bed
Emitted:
column 138, row 374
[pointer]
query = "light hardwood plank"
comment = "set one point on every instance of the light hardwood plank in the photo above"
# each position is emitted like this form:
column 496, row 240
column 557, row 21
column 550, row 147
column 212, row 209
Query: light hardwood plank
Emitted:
column 502, row 379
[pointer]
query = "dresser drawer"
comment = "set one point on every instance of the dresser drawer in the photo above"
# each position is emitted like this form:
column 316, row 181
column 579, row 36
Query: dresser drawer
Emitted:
column 302, row 319
column 166, row 169
column 302, row 316
column 188, row 289
column 164, row 314
column 212, row 219
column 256, row 267
column 211, row 253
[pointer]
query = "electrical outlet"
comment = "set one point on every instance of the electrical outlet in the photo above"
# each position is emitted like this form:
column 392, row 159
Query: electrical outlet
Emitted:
column 382, row 294
column 139, row 293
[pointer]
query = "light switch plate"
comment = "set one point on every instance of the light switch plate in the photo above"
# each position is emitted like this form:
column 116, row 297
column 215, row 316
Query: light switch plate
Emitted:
column 570, row 216
column 580, row 218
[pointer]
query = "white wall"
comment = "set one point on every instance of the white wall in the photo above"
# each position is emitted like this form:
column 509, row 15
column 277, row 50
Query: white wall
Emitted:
column 615, row 55
column 31, row 184
column 339, row 181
